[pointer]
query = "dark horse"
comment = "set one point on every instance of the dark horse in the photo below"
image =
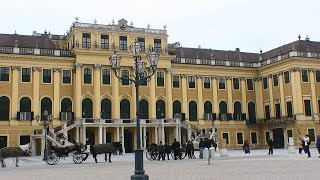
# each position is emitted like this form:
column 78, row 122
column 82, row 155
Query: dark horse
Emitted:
column 100, row 149
column 118, row 148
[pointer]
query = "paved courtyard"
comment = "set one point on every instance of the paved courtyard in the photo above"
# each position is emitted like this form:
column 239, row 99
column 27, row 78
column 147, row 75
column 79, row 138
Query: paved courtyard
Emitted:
column 256, row 166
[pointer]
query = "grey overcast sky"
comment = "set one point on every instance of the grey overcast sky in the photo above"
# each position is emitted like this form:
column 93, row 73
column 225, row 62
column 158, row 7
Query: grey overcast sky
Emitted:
column 216, row 24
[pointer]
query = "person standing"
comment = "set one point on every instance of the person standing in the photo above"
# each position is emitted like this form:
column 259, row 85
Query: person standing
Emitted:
column 301, row 144
column 161, row 151
column 189, row 149
column 167, row 150
column 270, row 144
column 318, row 144
column 176, row 149
column 246, row 147
column 201, row 147
column 307, row 144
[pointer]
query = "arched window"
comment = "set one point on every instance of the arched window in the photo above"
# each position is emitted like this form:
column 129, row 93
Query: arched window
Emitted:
column 125, row 109
column 237, row 111
column 106, row 109
column 46, row 108
column 193, row 111
column 176, row 108
column 66, row 105
column 207, row 107
column 25, row 104
column 4, row 108
column 252, row 112
column 161, row 109
column 144, row 109
column 223, row 110
column 87, row 108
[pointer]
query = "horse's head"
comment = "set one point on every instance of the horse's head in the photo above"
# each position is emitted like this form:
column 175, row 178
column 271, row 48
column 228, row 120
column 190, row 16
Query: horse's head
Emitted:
column 26, row 148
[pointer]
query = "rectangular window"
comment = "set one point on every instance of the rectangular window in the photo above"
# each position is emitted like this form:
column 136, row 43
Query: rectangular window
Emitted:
column 250, row 84
column 307, row 108
column 87, row 72
column 105, row 76
column 144, row 82
column 104, row 42
column 267, row 112
column 304, row 75
column 86, row 40
column 125, row 74
column 142, row 43
column 24, row 139
column 286, row 77
column 176, row 81
column 192, row 81
column 160, row 79
column 123, row 42
column 236, row 83
column 46, row 76
column 206, row 82
column 289, row 109
column 26, row 72
column 289, row 134
column 3, row 141
column 254, row 138
column 311, row 134
column 239, row 138
column 157, row 45
column 4, row 74
column 226, row 137
column 317, row 76
column 66, row 77
column 275, row 80
column 278, row 111
column 222, row 83
column 265, row 82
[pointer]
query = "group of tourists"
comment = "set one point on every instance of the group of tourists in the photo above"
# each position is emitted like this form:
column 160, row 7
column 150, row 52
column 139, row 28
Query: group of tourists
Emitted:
column 206, row 143
column 305, row 142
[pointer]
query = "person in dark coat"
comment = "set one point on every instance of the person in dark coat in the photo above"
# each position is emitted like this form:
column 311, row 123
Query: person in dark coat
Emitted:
column 307, row 145
column 161, row 151
column 318, row 144
column 246, row 148
column 270, row 144
column 201, row 147
column 189, row 149
column 167, row 150
column 176, row 149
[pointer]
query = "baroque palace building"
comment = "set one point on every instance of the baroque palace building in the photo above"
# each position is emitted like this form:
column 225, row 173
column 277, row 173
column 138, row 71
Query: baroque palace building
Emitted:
column 231, row 95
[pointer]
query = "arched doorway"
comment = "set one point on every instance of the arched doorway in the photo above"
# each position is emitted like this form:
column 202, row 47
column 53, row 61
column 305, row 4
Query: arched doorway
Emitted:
column 66, row 105
column 223, row 110
column 25, row 104
column 4, row 108
column 144, row 109
column 106, row 109
column 176, row 109
column 252, row 112
column 125, row 110
column 161, row 109
column 128, row 141
column 208, row 110
column 46, row 107
column 193, row 111
column 87, row 108
column 237, row 110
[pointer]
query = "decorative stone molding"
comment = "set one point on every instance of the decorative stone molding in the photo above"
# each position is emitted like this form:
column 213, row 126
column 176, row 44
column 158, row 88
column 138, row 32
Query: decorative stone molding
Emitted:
column 257, row 78
column 97, row 67
column 199, row 76
column 106, row 95
column 56, row 69
column 294, row 69
column 36, row 69
column 183, row 75
column 311, row 69
column 280, row 73
column 169, row 70
column 214, row 77
column 87, row 94
column 144, row 96
column 16, row 68
column 78, row 65
column 228, row 78
column 269, row 75
column 242, row 78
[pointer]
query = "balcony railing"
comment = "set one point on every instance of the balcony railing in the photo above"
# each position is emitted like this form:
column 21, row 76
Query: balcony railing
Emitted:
column 239, row 116
column 273, row 120
column 25, row 116
column 66, row 116
column 128, row 121
column 36, row 51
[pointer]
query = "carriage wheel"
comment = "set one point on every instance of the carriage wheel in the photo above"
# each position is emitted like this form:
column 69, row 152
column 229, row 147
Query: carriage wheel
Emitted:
column 148, row 155
column 52, row 159
column 183, row 154
column 78, row 158
column 154, row 154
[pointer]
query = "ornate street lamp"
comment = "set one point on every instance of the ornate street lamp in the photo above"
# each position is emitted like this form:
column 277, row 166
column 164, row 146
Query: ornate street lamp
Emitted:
column 140, row 69
column 45, row 123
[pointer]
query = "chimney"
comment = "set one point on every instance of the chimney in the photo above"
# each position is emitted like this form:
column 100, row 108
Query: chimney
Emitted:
column 237, row 50
column 307, row 38
column 199, row 46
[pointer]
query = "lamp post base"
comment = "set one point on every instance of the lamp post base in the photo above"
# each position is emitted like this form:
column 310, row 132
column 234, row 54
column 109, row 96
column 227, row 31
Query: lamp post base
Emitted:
column 45, row 153
column 139, row 177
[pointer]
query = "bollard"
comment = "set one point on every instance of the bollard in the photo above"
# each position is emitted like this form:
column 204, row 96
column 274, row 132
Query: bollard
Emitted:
column 211, row 154
column 223, row 149
column 205, row 153
column 291, row 149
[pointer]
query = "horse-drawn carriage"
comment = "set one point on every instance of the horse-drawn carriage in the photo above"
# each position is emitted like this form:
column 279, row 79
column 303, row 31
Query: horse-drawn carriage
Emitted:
column 79, row 152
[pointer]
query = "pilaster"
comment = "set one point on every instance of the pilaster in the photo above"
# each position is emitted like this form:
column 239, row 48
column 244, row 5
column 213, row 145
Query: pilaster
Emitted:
column 15, row 92
column 313, row 91
column 169, row 93
column 77, row 99
column 152, row 91
column 200, row 98
column 282, row 100
column 259, row 97
column 56, row 92
column 215, row 94
column 229, row 90
column 133, row 99
column 115, row 97
column 244, row 96
column 36, row 90
column 96, row 91
column 272, row 114
column 184, row 95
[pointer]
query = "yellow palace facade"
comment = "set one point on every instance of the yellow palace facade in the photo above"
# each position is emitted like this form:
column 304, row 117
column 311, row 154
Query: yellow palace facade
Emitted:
column 229, row 95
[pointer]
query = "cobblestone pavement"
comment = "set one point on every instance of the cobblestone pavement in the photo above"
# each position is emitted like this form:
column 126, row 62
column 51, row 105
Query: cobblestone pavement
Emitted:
column 256, row 166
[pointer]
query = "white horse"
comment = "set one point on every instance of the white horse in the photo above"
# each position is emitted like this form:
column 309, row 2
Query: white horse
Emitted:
column 15, row 152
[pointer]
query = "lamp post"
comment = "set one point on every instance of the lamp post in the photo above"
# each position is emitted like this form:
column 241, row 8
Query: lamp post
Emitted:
column 139, row 76
column 45, row 123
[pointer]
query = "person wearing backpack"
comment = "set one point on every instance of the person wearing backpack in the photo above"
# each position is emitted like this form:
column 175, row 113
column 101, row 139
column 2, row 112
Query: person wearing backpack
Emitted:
column 318, row 144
